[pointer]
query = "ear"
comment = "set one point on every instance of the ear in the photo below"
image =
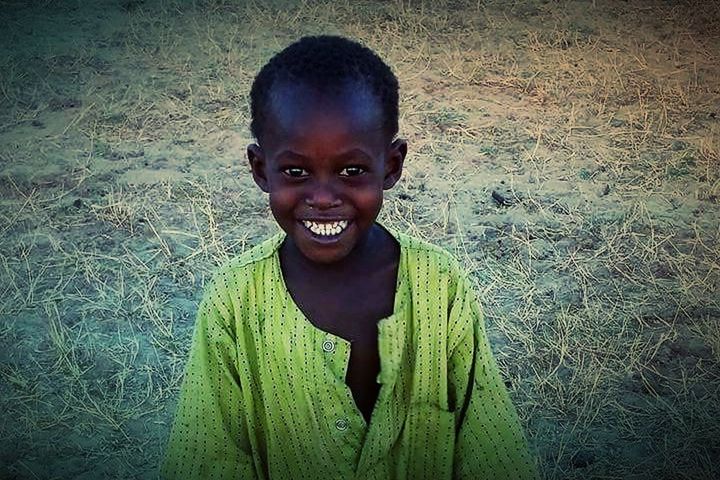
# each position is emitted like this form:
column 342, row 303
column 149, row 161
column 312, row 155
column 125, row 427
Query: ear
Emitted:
column 256, row 157
column 394, row 163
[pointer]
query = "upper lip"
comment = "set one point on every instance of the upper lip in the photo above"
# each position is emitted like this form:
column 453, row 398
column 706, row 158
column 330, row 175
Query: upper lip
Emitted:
column 324, row 219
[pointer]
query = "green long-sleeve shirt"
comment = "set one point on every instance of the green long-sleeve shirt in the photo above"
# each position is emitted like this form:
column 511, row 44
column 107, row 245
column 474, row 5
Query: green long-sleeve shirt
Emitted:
column 264, row 393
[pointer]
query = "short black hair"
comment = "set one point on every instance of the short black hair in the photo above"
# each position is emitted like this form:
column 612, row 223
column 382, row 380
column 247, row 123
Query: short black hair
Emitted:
column 325, row 62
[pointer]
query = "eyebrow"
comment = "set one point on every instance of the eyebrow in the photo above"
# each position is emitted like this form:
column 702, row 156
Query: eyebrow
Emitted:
column 350, row 153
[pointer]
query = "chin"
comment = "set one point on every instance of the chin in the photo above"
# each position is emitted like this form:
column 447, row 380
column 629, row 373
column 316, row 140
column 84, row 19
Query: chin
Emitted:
column 323, row 250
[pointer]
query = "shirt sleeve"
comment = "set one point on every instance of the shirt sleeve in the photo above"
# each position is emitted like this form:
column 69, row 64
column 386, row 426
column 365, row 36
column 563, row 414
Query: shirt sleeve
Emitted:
column 490, row 442
column 209, row 437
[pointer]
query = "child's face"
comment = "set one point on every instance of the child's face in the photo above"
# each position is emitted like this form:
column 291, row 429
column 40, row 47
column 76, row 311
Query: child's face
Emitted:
column 324, row 159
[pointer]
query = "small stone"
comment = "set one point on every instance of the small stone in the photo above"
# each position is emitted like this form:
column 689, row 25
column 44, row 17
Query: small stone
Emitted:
column 500, row 199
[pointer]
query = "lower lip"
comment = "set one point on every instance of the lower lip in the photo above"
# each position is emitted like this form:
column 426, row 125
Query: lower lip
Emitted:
column 325, row 239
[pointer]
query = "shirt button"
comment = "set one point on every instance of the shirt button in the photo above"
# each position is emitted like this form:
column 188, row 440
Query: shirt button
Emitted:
column 341, row 424
column 328, row 346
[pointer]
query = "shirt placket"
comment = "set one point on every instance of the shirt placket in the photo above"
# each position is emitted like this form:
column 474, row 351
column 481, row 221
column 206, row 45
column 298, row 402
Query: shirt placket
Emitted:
column 390, row 344
column 347, row 419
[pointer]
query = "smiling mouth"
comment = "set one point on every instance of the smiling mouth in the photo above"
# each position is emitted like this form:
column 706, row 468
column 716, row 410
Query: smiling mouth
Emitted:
column 326, row 229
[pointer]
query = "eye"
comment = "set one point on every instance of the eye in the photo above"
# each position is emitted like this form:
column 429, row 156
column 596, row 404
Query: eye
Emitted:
column 352, row 171
column 294, row 172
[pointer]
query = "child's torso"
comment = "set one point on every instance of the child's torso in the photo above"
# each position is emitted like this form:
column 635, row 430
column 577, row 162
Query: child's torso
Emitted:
column 351, row 310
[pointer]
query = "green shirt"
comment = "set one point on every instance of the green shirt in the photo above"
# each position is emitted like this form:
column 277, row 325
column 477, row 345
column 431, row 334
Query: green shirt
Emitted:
column 264, row 393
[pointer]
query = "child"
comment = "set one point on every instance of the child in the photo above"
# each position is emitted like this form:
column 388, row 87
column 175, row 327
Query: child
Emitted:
column 340, row 347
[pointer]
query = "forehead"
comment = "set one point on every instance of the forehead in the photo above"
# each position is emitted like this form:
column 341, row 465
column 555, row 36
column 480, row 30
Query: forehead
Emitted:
column 300, row 113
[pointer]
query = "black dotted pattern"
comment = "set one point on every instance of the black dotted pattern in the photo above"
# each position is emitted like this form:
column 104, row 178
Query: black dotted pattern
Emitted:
column 263, row 394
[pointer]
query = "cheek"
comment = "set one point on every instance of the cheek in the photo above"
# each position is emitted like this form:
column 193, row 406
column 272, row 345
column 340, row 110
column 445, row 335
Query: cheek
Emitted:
column 369, row 198
column 282, row 201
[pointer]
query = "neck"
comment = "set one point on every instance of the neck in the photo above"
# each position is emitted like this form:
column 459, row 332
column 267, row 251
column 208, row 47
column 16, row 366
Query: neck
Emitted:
column 357, row 258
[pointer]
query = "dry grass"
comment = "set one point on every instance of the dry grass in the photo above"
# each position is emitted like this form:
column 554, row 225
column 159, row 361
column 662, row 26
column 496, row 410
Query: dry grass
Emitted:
column 124, row 186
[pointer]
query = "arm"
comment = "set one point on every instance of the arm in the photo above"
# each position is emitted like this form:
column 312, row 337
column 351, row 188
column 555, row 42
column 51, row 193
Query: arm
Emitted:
column 490, row 442
column 209, row 438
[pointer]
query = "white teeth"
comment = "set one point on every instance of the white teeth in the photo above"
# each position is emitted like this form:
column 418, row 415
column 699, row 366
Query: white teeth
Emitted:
column 327, row 229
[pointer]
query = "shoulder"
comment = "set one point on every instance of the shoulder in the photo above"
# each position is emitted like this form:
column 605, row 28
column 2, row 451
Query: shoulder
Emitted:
column 424, row 255
column 435, row 267
column 245, row 266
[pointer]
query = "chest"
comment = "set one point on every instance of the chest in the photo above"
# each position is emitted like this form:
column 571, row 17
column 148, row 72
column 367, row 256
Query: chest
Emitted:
column 351, row 310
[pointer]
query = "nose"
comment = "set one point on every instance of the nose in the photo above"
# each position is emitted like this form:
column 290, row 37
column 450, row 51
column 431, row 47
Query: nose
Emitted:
column 322, row 196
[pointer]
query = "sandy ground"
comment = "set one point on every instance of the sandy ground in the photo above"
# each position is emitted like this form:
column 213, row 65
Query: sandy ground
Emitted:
column 123, row 184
